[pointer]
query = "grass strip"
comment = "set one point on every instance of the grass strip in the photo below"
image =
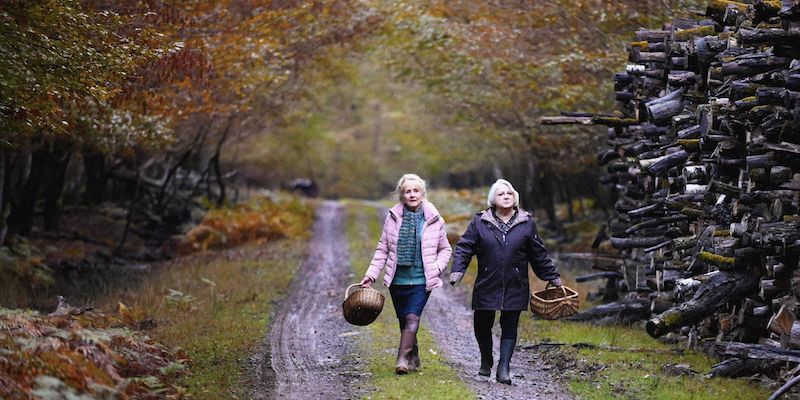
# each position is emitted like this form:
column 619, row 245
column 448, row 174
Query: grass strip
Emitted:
column 645, row 371
column 435, row 380
column 217, row 306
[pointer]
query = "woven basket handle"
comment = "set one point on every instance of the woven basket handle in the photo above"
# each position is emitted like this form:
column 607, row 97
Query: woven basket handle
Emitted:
column 550, row 284
column 347, row 291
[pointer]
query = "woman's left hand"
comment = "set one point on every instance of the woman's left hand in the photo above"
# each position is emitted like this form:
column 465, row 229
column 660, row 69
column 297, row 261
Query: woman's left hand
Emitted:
column 556, row 282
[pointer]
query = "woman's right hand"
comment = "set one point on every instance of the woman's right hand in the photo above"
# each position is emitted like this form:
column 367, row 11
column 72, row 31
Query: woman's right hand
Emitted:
column 455, row 277
column 366, row 282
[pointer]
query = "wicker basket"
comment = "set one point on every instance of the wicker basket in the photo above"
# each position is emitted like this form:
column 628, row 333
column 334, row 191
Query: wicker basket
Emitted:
column 554, row 302
column 363, row 306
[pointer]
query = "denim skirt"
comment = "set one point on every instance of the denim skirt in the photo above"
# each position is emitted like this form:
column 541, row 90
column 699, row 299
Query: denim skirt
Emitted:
column 409, row 299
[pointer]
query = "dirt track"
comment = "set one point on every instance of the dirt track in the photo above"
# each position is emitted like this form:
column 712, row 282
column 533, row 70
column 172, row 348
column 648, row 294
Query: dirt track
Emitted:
column 310, row 350
column 306, row 356
column 450, row 320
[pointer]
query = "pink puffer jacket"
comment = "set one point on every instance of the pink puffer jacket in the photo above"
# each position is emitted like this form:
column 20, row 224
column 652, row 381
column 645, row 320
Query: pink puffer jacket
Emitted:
column 436, row 249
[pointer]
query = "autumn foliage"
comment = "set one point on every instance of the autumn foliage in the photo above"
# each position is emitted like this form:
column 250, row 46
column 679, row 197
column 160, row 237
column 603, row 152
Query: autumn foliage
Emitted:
column 117, row 100
column 62, row 355
column 258, row 220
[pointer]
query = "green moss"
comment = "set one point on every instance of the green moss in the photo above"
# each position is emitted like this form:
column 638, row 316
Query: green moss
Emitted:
column 694, row 32
column 690, row 144
column 693, row 212
column 671, row 318
column 715, row 259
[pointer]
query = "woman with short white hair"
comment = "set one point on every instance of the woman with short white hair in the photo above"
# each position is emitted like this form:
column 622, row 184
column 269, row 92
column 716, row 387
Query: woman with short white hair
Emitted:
column 414, row 251
column 505, row 240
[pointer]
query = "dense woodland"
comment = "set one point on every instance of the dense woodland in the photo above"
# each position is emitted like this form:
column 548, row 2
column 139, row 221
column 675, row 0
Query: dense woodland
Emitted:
column 148, row 104
column 152, row 112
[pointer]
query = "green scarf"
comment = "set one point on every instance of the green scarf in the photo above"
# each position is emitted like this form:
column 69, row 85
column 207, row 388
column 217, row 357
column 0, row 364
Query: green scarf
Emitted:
column 408, row 240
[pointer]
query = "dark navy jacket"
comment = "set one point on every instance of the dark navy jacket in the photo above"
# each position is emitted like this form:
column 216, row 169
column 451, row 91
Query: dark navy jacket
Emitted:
column 502, row 282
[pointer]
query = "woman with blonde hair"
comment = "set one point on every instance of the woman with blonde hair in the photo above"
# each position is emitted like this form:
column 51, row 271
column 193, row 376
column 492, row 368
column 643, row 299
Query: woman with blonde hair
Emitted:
column 505, row 240
column 414, row 251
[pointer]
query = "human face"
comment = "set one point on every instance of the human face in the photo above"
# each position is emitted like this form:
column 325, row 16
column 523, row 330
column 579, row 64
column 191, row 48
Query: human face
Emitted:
column 412, row 195
column 504, row 197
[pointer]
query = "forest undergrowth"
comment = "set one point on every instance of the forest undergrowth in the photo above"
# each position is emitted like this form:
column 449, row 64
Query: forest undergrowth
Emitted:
column 180, row 327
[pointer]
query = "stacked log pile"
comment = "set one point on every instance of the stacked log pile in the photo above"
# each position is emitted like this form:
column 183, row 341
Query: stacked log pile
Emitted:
column 704, row 155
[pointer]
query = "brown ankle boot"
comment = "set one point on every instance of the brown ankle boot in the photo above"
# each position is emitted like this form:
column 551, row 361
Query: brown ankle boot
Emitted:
column 407, row 339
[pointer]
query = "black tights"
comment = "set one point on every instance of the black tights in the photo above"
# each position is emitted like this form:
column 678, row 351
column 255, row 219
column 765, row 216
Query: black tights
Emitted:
column 484, row 319
column 409, row 322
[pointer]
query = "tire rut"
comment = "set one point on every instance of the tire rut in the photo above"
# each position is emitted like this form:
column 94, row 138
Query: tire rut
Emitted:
column 310, row 345
column 450, row 321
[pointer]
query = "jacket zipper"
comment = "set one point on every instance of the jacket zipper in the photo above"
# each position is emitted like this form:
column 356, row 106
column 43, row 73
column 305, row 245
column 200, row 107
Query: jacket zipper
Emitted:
column 502, row 270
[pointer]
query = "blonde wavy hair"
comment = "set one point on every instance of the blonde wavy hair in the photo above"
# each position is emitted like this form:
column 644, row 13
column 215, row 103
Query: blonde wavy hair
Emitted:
column 410, row 178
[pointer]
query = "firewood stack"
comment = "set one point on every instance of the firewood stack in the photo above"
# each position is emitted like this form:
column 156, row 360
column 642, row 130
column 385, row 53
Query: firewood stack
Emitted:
column 705, row 159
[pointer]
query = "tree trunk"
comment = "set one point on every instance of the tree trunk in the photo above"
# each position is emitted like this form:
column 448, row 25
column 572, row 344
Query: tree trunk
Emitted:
column 567, row 198
column 626, row 311
column 215, row 160
column 564, row 120
column 220, row 181
column 650, row 223
column 721, row 288
column 651, row 35
column 53, row 189
column 21, row 221
column 736, row 367
column 671, row 160
column 681, row 78
column 757, row 352
column 131, row 209
column 545, row 198
column 769, row 35
column 529, row 182
column 636, row 242
column 751, row 64
column 4, row 203
column 94, row 163
column 196, row 141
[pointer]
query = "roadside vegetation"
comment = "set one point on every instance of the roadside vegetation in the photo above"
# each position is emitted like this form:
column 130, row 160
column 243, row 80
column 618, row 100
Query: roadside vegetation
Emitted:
column 605, row 362
column 216, row 305
column 191, row 322
column 435, row 380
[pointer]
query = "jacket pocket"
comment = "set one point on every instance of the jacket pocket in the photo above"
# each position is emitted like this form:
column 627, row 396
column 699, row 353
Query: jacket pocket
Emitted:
column 483, row 277
column 517, row 275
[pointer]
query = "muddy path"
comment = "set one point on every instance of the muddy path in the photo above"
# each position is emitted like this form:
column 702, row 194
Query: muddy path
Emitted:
column 449, row 318
column 309, row 353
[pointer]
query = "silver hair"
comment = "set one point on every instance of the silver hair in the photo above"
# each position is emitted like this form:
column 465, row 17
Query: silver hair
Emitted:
column 493, row 190
column 410, row 178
